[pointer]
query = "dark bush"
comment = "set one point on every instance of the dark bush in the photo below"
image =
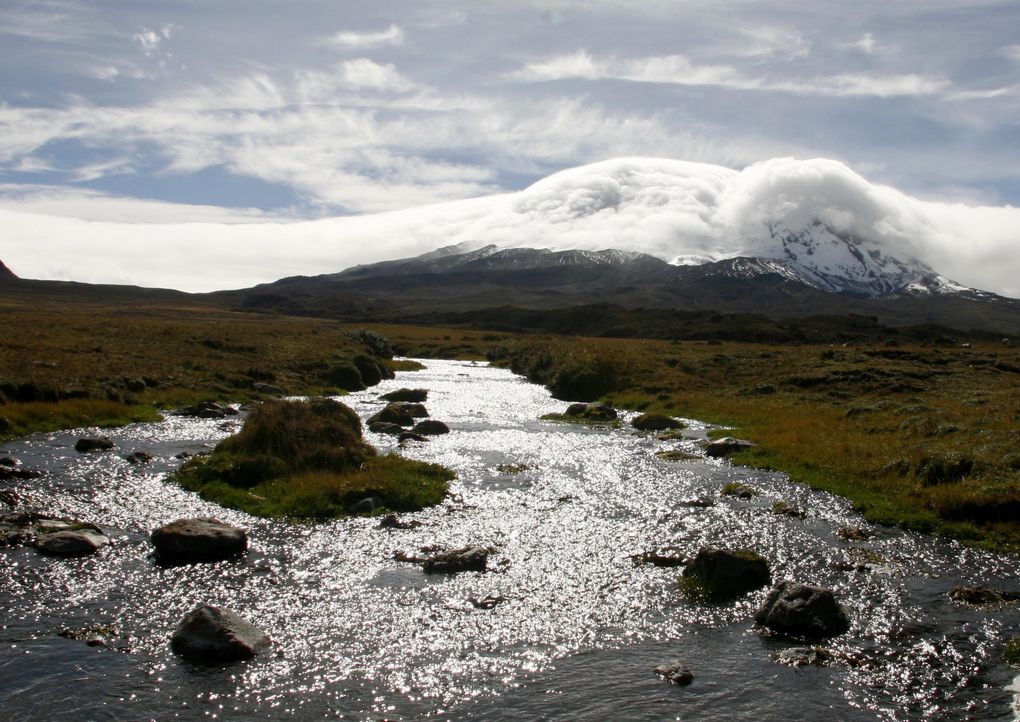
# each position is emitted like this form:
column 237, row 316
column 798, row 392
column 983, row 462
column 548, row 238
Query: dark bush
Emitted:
column 345, row 375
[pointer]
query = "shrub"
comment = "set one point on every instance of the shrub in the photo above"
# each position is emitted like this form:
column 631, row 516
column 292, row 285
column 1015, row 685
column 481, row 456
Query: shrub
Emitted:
column 345, row 375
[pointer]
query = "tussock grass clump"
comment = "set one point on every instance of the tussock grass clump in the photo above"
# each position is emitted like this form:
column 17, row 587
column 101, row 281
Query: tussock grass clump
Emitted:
column 1011, row 654
column 307, row 460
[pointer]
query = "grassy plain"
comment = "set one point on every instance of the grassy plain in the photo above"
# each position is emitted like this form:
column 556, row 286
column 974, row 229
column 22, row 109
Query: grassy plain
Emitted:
column 922, row 436
column 918, row 434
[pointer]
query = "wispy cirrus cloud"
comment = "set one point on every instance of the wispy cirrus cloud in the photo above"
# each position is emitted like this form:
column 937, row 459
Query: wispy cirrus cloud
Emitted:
column 680, row 70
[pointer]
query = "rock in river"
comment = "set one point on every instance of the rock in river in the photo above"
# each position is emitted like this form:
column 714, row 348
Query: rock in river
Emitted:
column 656, row 422
column 393, row 413
column 725, row 574
column 726, row 446
column 213, row 635
column 468, row 559
column 800, row 610
column 74, row 543
column 675, row 672
column 595, row 411
column 431, row 428
column 198, row 540
column 415, row 395
column 99, row 443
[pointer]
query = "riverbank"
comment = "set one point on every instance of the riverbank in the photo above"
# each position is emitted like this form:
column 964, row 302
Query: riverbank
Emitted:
column 918, row 436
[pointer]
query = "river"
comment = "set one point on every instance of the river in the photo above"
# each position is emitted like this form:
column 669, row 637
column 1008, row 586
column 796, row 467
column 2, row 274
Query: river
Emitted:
column 579, row 627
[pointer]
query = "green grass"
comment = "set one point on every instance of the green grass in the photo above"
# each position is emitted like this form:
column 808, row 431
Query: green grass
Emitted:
column 20, row 418
column 307, row 460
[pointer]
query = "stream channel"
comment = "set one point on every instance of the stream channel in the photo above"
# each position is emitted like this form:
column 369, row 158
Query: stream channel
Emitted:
column 579, row 628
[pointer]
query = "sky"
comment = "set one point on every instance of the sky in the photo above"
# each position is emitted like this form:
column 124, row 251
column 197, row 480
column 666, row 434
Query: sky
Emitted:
column 205, row 144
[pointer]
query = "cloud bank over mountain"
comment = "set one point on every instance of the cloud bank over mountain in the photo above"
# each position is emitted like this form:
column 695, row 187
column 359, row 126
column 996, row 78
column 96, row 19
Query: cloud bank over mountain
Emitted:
column 679, row 211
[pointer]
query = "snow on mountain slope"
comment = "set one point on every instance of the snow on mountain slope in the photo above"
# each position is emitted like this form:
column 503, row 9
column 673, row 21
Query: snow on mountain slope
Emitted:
column 816, row 219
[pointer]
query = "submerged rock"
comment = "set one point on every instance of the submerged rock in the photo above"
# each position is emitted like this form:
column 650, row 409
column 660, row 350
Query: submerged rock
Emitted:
column 726, row 574
column 366, row 505
column 656, row 422
column 805, row 656
column 392, row 521
column 726, row 446
column 982, row 596
column 89, row 444
column 406, row 436
column 675, row 672
column 800, row 610
column 467, row 559
column 662, row 557
column 71, row 543
column 431, row 427
column 139, row 457
column 214, row 635
column 198, row 540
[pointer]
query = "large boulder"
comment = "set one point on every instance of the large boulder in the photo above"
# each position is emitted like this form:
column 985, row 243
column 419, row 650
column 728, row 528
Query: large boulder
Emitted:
column 468, row 559
column 71, row 543
column 431, row 427
column 198, row 540
column 656, row 422
column 415, row 395
column 214, row 635
column 207, row 410
column 393, row 413
column 726, row 574
column 800, row 610
column 726, row 446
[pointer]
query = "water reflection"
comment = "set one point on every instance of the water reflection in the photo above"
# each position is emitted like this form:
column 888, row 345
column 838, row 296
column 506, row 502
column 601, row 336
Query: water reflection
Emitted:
column 578, row 628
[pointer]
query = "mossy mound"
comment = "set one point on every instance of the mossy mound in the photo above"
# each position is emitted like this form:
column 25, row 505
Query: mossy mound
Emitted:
column 307, row 460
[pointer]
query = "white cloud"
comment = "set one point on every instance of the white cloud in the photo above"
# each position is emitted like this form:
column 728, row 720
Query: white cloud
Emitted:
column 664, row 207
column 150, row 41
column 866, row 44
column 1012, row 52
column 679, row 70
column 393, row 35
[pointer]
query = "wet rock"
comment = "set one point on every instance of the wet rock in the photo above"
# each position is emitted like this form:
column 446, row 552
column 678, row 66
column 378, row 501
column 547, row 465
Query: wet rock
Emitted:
column 662, row 557
column 431, row 427
column 76, row 543
column 982, row 596
column 9, row 461
column 198, row 540
column 489, row 601
column 805, row 657
column 739, row 490
column 214, row 635
column 17, row 472
column 595, row 411
column 385, row 427
column 139, row 457
column 852, row 533
column 269, row 389
column 726, row 574
column 392, row 521
column 101, row 636
column 785, row 509
column 676, row 455
column 800, row 610
column 207, row 410
column 393, row 413
column 726, row 446
column 90, row 444
column 415, row 411
column 656, row 422
column 366, row 505
column 467, row 559
column 675, row 672
column 410, row 436
column 414, row 395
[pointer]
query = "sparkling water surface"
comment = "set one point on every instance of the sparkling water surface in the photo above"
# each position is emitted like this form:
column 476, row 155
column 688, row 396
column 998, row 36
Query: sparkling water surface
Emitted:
column 360, row 636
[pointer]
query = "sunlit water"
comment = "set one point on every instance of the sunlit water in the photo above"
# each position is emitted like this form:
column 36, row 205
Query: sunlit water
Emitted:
column 361, row 636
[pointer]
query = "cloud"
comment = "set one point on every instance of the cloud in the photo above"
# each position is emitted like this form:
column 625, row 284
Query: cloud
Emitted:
column 679, row 70
column 393, row 35
column 150, row 41
column 1011, row 52
column 668, row 208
